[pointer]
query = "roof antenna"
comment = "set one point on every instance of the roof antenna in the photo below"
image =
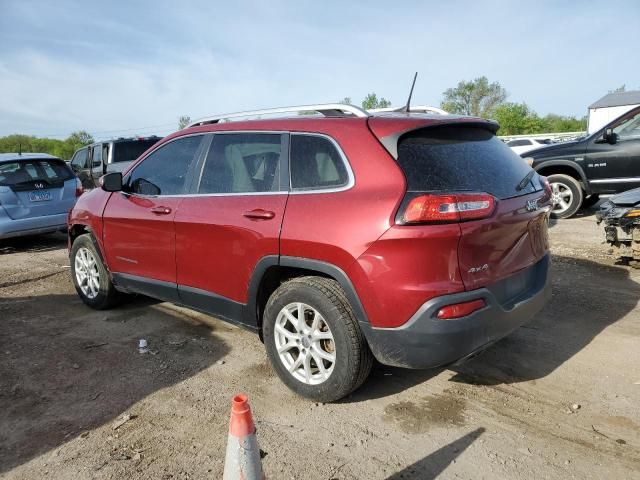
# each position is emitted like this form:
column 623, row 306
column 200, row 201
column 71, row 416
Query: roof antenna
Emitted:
column 19, row 148
column 407, row 106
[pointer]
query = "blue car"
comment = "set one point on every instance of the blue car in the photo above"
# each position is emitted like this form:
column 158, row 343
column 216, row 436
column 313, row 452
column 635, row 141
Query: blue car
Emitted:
column 36, row 192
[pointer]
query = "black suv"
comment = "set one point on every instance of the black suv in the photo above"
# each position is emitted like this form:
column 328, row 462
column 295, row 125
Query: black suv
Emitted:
column 93, row 161
column 607, row 161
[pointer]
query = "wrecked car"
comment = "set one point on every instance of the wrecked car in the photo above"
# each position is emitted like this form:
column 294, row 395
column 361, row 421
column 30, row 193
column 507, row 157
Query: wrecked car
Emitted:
column 621, row 217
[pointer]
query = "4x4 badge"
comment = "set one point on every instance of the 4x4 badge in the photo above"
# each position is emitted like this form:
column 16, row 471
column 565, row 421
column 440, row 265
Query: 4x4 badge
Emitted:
column 532, row 205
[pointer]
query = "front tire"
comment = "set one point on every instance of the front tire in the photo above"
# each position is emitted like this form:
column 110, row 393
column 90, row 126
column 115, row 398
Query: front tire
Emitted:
column 566, row 194
column 313, row 339
column 90, row 277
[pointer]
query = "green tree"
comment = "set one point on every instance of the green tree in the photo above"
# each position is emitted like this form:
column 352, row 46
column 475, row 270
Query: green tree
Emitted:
column 476, row 97
column 517, row 119
column 183, row 121
column 559, row 123
column 345, row 101
column 60, row 148
column 81, row 137
column 73, row 142
column 371, row 101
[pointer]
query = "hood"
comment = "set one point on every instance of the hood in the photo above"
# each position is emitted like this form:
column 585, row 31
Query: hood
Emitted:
column 628, row 198
column 554, row 148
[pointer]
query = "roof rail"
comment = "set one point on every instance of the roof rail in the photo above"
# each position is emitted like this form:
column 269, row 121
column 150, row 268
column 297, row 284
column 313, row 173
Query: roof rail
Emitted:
column 412, row 109
column 328, row 110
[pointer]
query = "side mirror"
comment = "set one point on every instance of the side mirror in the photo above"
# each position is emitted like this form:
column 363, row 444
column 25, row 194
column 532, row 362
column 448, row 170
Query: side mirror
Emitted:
column 610, row 136
column 96, row 163
column 112, row 182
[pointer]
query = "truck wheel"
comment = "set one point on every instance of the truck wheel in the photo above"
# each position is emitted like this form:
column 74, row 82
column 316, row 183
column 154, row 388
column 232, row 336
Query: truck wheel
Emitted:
column 90, row 277
column 566, row 194
column 313, row 339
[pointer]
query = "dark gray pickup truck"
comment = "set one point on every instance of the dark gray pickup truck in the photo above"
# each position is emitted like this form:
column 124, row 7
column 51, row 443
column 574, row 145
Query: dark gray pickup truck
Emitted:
column 93, row 161
column 607, row 161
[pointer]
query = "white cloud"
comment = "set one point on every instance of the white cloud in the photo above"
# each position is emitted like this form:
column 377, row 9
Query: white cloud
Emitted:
column 71, row 65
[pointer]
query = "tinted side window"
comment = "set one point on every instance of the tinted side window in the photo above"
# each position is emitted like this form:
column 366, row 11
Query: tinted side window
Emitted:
column 130, row 150
column 316, row 163
column 80, row 158
column 629, row 128
column 242, row 163
column 519, row 143
column 96, row 155
column 164, row 172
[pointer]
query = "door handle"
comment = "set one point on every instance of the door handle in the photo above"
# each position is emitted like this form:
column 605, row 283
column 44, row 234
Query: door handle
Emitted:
column 259, row 214
column 161, row 210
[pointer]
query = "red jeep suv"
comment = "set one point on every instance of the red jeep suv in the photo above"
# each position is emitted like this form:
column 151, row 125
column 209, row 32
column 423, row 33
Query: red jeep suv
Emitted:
column 414, row 239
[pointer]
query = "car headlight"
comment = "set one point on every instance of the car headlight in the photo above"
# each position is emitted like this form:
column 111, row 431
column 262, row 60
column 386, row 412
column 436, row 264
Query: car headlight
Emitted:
column 529, row 160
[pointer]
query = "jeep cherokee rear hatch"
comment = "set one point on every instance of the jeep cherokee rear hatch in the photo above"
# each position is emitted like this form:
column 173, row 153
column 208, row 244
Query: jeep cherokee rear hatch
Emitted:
column 461, row 173
column 35, row 187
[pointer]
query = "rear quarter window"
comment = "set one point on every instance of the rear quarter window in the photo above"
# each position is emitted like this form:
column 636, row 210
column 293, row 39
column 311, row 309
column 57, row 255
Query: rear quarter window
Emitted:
column 462, row 159
column 316, row 163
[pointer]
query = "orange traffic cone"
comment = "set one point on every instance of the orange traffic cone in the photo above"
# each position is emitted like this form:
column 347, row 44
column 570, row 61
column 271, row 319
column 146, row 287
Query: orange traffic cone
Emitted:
column 242, row 461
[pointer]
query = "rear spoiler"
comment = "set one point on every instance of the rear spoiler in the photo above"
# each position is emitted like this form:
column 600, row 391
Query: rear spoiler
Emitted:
column 389, row 129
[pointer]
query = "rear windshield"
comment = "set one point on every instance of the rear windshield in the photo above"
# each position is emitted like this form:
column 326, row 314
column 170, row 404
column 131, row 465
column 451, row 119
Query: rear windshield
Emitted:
column 49, row 171
column 128, row 151
column 457, row 159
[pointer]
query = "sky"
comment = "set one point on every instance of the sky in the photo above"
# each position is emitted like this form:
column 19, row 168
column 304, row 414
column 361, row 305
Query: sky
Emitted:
column 132, row 68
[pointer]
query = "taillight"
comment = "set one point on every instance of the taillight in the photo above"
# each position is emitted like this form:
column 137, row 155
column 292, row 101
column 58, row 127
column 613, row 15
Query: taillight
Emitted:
column 431, row 208
column 459, row 310
column 79, row 187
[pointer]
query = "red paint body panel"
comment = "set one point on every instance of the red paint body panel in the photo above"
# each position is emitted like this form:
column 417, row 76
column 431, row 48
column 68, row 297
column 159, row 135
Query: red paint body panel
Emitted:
column 138, row 241
column 406, row 267
column 88, row 212
column 510, row 240
column 217, row 247
column 338, row 227
column 394, row 124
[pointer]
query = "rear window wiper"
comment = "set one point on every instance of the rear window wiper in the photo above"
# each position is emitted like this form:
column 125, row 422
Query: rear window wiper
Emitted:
column 525, row 180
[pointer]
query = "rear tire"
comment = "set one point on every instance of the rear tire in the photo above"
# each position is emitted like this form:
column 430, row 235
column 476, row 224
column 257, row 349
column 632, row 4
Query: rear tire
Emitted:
column 325, row 357
column 567, row 195
column 90, row 277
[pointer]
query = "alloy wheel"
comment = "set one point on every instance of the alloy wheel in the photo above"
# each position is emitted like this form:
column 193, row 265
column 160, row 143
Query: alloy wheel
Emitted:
column 562, row 197
column 304, row 343
column 87, row 273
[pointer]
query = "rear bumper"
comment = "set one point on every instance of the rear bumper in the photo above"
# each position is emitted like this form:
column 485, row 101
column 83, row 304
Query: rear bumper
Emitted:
column 426, row 342
column 30, row 226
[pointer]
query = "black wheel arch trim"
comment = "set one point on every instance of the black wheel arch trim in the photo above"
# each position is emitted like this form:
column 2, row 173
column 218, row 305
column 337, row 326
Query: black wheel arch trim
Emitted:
column 94, row 240
column 566, row 163
column 307, row 264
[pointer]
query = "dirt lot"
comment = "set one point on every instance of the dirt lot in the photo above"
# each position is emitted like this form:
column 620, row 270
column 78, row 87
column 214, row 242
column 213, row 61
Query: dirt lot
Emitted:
column 67, row 374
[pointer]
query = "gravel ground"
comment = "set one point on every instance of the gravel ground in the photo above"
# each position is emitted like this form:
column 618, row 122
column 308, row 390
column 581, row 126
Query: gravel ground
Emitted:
column 557, row 399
